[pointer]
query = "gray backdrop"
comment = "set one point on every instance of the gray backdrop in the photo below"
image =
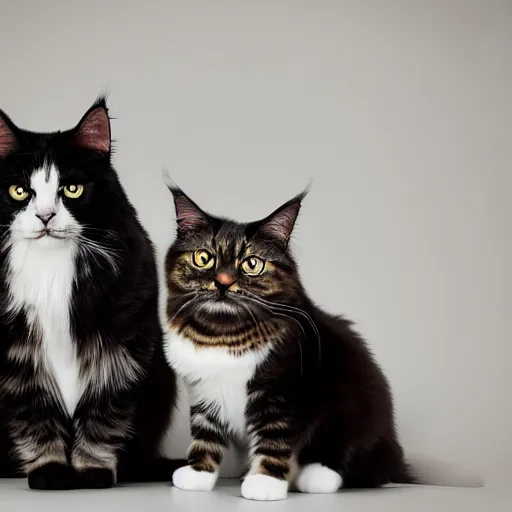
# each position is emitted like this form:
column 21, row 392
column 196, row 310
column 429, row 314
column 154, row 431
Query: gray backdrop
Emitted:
column 399, row 110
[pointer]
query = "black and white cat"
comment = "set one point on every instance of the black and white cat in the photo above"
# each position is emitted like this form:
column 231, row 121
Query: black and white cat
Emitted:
column 85, row 392
column 270, row 370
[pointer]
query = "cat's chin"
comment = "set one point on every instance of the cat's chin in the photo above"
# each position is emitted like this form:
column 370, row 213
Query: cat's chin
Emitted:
column 221, row 306
column 47, row 241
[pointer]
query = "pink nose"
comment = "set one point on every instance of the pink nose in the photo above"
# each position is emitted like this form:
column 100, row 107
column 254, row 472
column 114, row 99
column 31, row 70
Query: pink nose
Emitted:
column 225, row 279
column 46, row 217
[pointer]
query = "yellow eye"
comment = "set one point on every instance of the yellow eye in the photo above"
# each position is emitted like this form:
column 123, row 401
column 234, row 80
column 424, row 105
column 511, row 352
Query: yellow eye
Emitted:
column 18, row 193
column 73, row 191
column 203, row 259
column 253, row 266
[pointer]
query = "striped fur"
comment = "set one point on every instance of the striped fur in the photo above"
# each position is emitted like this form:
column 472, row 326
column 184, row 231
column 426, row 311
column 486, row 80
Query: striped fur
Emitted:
column 267, row 368
column 85, row 392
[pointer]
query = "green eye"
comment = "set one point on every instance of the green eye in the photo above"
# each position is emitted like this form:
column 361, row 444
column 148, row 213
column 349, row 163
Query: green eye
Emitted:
column 253, row 266
column 203, row 259
column 18, row 193
column 73, row 191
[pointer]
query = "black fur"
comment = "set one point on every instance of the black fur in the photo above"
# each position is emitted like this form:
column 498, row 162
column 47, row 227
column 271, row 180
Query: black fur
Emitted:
column 114, row 313
column 319, row 395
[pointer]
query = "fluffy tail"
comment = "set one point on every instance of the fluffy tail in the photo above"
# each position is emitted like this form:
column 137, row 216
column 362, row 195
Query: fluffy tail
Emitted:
column 427, row 471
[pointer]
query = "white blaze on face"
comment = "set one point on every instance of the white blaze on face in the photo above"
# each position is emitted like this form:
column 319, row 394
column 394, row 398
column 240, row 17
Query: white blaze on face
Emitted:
column 41, row 273
column 45, row 203
column 45, row 183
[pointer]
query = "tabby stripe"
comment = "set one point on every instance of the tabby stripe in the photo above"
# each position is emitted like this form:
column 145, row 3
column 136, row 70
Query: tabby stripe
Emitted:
column 205, row 409
column 207, row 446
column 206, row 466
column 272, row 449
column 205, row 455
column 208, row 435
column 278, row 467
column 219, row 340
column 205, row 417
column 210, row 326
column 232, row 345
column 267, row 417
column 206, row 421
column 277, row 435
column 273, row 468
column 271, row 426
column 200, row 456
column 212, row 331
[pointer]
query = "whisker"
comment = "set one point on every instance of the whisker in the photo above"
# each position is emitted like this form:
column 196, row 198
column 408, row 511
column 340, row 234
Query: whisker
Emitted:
column 292, row 308
column 183, row 306
column 258, row 328
column 298, row 341
column 94, row 249
column 289, row 308
column 290, row 318
column 110, row 233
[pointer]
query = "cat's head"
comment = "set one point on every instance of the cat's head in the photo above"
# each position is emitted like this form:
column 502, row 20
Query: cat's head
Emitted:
column 52, row 185
column 223, row 273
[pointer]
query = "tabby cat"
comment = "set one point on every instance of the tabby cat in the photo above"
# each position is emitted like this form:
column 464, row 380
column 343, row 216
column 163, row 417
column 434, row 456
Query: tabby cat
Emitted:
column 86, row 394
column 268, row 369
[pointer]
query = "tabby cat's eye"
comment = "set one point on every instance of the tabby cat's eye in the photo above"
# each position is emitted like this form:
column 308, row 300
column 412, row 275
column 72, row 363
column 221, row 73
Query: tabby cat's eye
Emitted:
column 18, row 193
column 253, row 266
column 203, row 259
column 73, row 191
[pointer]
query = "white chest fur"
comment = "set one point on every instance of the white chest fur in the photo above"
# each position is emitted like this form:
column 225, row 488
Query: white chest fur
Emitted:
column 215, row 377
column 40, row 282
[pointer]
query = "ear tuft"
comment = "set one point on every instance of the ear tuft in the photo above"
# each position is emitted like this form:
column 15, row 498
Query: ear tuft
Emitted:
column 281, row 222
column 93, row 131
column 8, row 141
column 189, row 216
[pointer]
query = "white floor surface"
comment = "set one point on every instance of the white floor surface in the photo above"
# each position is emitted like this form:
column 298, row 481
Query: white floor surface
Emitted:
column 496, row 496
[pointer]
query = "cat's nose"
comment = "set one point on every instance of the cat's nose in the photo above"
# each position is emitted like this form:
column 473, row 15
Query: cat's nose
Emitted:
column 224, row 281
column 47, row 217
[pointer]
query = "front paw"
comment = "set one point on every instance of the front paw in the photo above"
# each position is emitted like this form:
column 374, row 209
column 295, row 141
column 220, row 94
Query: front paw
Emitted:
column 264, row 488
column 96, row 478
column 53, row 476
column 188, row 479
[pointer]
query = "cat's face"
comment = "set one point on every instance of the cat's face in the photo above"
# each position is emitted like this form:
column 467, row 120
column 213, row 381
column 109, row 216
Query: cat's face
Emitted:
column 220, row 271
column 48, row 182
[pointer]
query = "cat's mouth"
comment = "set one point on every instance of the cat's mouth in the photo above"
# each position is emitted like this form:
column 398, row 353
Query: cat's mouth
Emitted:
column 220, row 304
column 52, row 233
column 219, row 308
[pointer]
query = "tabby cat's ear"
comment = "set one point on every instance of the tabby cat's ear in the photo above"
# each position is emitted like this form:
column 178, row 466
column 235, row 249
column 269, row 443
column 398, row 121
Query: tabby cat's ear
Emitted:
column 189, row 216
column 8, row 140
column 93, row 130
column 280, row 223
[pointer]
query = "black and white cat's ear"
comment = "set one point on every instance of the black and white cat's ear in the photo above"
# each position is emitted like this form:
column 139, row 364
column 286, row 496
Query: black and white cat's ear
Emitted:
column 189, row 216
column 8, row 139
column 93, row 130
column 280, row 223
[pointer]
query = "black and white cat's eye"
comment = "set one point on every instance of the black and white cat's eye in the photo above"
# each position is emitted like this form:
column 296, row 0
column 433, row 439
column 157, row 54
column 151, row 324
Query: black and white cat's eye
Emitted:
column 18, row 193
column 203, row 259
column 64, row 423
column 253, row 266
column 73, row 191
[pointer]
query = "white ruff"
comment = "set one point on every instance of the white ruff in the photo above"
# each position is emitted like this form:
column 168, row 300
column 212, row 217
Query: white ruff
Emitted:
column 215, row 377
column 41, row 283
column 41, row 275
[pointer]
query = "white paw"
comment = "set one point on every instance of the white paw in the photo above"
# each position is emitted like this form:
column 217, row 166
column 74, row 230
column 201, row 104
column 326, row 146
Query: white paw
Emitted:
column 318, row 479
column 188, row 479
column 264, row 488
